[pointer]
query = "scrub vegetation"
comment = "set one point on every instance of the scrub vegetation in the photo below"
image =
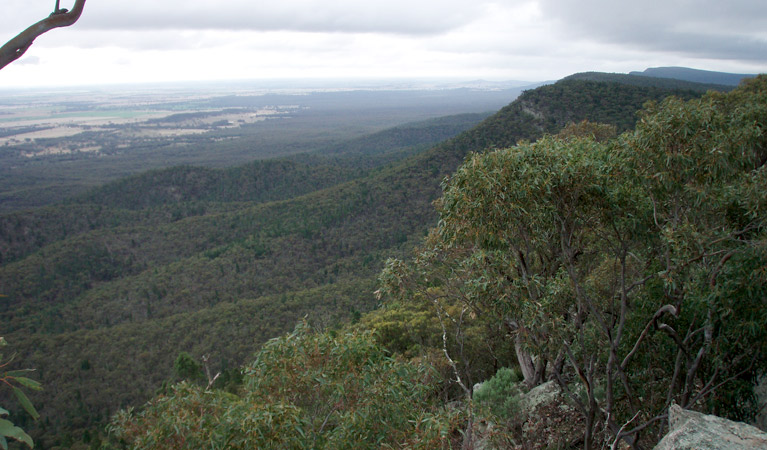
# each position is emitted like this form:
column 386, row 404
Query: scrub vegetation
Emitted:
column 604, row 234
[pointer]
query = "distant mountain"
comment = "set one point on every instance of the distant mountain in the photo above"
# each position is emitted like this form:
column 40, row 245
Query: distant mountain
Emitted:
column 640, row 80
column 485, row 85
column 694, row 75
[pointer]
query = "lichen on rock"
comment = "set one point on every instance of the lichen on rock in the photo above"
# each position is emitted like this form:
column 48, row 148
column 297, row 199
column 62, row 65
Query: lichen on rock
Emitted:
column 693, row 430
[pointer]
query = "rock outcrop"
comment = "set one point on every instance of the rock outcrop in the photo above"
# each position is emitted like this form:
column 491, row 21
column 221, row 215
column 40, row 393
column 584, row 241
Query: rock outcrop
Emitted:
column 760, row 421
column 692, row 430
column 539, row 395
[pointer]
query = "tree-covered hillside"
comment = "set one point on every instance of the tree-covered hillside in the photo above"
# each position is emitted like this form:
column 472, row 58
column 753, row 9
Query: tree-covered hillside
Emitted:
column 694, row 75
column 77, row 143
column 640, row 79
column 630, row 271
column 104, row 292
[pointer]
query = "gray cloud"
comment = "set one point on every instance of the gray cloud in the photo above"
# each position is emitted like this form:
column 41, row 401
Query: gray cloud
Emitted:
column 379, row 16
column 29, row 60
column 716, row 29
column 147, row 40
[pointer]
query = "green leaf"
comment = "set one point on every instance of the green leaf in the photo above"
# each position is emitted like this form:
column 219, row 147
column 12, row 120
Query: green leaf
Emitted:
column 30, row 383
column 7, row 428
column 25, row 403
column 3, row 412
column 16, row 373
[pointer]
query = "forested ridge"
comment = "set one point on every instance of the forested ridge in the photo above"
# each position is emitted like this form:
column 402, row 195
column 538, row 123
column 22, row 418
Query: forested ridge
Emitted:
column 223, row 131
column 104, row 291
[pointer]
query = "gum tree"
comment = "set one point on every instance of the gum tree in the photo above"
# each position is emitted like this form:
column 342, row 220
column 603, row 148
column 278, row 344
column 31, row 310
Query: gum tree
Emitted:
column 15, row 381
column 304, row 390
column 632, row 271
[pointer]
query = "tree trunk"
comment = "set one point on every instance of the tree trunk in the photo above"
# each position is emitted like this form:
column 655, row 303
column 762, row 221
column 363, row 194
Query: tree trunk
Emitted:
column 526, row 364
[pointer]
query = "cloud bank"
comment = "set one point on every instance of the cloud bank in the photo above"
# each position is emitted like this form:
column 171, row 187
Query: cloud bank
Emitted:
column 733, row 29
column 150, row 40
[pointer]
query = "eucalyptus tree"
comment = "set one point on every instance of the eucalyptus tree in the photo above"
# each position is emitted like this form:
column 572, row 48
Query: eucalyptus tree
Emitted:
column 305, row 390
column 630, row 271
column 15, row 380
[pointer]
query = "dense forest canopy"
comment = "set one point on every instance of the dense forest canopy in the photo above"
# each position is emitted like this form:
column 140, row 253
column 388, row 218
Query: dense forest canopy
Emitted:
column 631, row 270
column 203, row 266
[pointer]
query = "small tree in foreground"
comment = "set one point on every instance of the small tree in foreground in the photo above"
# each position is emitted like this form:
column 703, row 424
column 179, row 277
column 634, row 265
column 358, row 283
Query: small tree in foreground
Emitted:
column 15, row 380
column 304, row 390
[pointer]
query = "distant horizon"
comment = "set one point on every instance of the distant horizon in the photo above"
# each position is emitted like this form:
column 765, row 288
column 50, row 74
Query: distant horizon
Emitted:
column 537, row 40
column 300, row 82
column 338, row 83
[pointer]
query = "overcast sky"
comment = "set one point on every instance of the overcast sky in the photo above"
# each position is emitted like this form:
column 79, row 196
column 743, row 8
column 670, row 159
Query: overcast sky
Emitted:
column 117, row 41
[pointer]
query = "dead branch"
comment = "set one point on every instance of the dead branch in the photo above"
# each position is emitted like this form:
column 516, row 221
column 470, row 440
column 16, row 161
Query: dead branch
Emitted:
column 16, row 47
column 211, row 380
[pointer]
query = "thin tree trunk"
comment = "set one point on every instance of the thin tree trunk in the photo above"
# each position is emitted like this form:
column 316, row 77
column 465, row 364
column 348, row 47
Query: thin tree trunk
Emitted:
column 526, row 364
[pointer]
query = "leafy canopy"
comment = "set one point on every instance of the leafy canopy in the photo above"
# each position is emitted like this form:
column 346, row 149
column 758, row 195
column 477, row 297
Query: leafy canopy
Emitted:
column 631, row 267
column 304, row 390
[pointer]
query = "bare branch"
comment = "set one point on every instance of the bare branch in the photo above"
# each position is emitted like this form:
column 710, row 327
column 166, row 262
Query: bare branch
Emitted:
column 450, row 360
column 211, row 380
column 693, row 368
column 663, row 309
column 715, row 273
column 641, row 427
column 708, row 388
column 619, row 434
column 16, row 47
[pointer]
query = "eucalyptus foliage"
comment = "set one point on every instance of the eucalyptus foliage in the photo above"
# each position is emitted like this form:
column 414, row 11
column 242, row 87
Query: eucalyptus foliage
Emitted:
column 304, row 390
column 633, row 267
column 16, row 381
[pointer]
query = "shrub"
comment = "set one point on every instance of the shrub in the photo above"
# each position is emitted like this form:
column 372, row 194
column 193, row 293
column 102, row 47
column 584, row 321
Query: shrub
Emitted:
column 500, row 394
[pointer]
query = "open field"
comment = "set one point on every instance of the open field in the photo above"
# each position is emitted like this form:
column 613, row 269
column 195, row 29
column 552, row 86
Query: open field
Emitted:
column 49, row 125
column 55, row 144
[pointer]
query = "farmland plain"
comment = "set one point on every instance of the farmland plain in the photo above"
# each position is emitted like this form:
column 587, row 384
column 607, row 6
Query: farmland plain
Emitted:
column 58, row 143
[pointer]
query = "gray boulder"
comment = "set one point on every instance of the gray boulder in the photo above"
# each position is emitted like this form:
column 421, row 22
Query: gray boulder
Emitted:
column 760, row 421
column 539, row 395
column 690, row 430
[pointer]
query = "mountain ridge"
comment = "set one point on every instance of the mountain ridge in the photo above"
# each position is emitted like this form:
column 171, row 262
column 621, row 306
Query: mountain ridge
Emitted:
column 224, row 276
column 694, row 75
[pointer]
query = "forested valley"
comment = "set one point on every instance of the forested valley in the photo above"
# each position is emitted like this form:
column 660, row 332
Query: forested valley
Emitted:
column 603, row 231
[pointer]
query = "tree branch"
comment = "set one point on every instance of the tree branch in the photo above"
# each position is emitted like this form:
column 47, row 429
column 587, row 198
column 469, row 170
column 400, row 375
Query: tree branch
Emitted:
column 663, row 309
column 715, row 273
column 17, row 46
